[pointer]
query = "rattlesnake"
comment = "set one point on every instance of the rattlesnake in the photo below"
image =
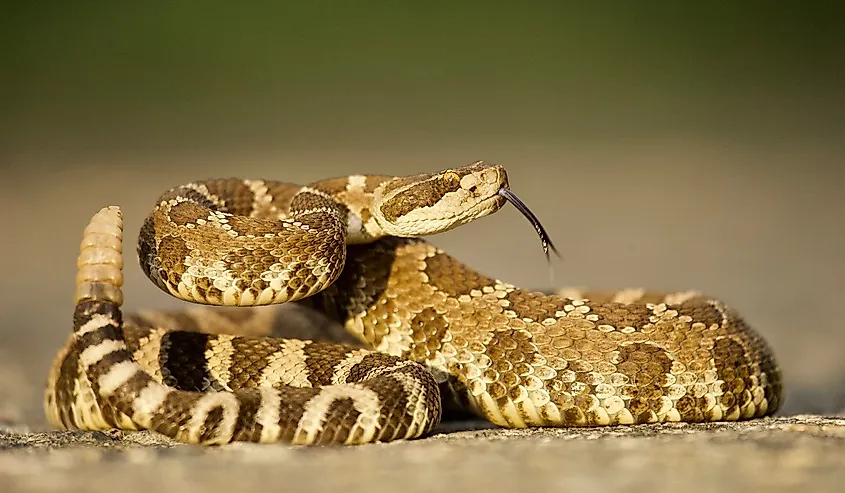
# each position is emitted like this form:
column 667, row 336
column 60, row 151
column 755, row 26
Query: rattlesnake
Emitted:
column 437, row 331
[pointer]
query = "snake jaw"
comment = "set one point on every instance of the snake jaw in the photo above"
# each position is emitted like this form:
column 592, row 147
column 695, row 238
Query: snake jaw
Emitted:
column 421, row 223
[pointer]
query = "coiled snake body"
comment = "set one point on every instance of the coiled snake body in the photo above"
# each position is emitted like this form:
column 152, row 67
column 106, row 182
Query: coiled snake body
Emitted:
column 434, row 328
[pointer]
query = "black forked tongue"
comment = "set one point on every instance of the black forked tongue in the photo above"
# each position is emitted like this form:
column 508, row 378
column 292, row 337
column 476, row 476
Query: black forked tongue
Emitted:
column 521, row 207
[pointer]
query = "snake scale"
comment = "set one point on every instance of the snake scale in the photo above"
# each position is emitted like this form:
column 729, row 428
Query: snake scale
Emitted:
column 430, row 330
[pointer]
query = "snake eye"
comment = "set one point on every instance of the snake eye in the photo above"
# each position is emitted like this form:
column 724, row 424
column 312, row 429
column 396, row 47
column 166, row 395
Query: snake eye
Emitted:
column 451, row 179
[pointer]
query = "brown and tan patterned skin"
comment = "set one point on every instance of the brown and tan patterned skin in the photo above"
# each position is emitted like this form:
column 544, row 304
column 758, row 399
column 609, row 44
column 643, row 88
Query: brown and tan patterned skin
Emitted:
column 514, row 357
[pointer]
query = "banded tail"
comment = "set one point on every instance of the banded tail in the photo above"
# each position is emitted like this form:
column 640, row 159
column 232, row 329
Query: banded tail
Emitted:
column 96, row 384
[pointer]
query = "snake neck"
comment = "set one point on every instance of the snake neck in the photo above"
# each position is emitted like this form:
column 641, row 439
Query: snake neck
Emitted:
column 353, row 199
column 319, row 210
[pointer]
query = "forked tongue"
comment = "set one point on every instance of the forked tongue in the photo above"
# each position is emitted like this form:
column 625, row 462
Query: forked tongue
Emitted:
column 541, row 231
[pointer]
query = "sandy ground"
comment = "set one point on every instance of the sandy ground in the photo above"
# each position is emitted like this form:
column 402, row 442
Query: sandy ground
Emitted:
column 803, row 453
column 760, row 229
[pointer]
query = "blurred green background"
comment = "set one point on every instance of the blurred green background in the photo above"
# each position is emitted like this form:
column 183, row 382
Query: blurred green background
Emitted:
column 666, row 144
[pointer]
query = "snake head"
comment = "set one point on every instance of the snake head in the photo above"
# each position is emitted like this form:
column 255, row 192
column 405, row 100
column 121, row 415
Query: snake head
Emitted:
column 420, row 205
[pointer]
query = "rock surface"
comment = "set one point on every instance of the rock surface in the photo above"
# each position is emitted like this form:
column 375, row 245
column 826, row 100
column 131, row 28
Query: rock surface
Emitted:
column 798, row 453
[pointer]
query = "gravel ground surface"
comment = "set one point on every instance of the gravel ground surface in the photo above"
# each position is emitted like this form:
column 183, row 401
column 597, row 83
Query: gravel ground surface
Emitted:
column 801, row 453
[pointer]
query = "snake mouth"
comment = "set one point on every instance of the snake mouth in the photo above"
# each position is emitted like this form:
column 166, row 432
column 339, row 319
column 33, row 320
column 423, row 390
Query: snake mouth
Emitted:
column 511, row 197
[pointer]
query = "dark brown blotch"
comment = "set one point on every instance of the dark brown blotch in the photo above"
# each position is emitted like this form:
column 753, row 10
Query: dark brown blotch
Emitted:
column 65, row 384
column 172, row 251
column 732, row 365
column 293, row 401
column 134, row 332
column 246, row 426
column 306, row 201
column 282, row 194
column 237, row 197
column 690, row 409
column 621, row 315
column 453, row 277
column 339, row 419
column 244, row 225
column 147, row 249
column 369, row 363
column 646, row 367
column 173, row 415
column 573, row 416
column 701, row 311
column 529, row 305
column 183, row 363
column 362, row 282
column 427, row 331
column 187, row 213
column 125, row 395
column 425, row 194
column 332, row 186
column 190, row 194
column 84, row 311
column 321, row 358
column 394, row 417
column 250, row 356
